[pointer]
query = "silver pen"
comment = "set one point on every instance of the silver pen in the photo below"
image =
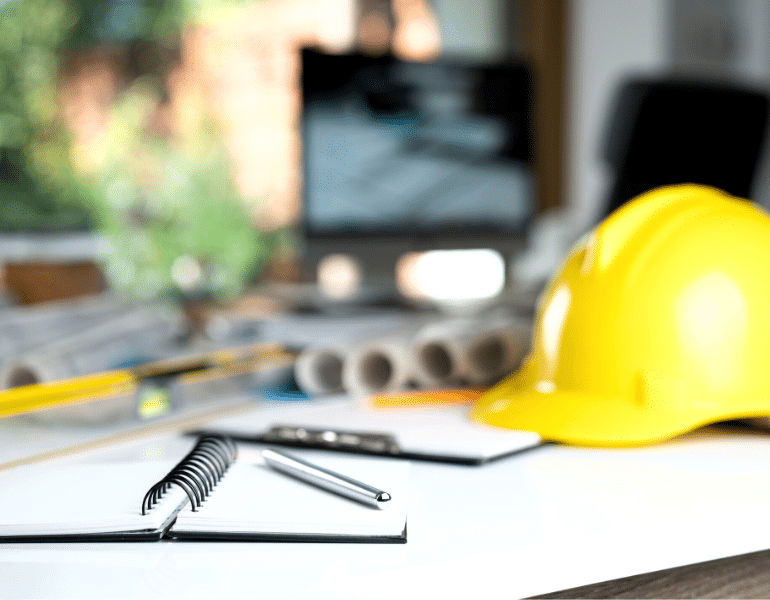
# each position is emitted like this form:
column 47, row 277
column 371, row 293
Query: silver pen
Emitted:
column 326, row 479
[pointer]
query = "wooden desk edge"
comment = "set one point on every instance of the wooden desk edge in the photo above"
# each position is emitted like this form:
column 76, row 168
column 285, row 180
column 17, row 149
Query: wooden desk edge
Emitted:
column 743, row 576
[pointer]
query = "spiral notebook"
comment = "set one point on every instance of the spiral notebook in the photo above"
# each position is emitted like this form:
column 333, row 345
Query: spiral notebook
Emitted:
column 232, row 500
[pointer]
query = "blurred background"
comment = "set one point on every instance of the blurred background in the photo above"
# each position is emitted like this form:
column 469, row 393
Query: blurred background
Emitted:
column 388, row 150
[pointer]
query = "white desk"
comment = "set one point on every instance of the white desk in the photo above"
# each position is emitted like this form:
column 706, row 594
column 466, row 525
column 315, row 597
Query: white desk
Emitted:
column 547, row 519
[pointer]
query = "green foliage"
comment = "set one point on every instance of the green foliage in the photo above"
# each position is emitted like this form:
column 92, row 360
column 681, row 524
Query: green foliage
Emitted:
column 37, row 185
column 158, row 201
column 165, row 201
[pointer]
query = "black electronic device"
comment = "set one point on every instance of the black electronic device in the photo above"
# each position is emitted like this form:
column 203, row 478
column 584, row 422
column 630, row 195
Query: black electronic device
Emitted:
column 680, row 130
column 400, row 156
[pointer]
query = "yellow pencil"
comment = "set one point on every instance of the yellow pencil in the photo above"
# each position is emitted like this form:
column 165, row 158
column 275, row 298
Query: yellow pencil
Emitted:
column 88, row 388
column 39, row 396
column 425, row 397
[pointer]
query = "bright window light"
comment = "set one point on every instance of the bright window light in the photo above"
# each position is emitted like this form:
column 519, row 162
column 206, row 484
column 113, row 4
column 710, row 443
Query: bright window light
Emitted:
column 451, row 275
column 339, row 276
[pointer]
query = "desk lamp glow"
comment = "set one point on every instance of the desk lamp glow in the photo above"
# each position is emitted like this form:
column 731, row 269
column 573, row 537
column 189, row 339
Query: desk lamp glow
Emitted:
column 451, row 275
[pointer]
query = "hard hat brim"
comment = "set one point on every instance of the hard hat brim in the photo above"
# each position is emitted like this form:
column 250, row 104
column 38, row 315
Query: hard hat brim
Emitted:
column 585, row 420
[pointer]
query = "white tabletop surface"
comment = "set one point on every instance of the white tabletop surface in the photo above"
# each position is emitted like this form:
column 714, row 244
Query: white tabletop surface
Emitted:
column 543, row 520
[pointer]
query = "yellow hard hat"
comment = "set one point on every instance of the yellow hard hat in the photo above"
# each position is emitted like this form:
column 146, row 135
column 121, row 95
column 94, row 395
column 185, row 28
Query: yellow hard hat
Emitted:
column 658, row 322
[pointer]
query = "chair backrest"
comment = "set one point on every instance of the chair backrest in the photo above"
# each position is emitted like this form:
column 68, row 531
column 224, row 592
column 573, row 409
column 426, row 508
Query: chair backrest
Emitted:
column 683, row 131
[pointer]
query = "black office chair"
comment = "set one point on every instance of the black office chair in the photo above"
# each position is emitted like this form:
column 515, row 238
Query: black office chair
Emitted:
column 666, row 131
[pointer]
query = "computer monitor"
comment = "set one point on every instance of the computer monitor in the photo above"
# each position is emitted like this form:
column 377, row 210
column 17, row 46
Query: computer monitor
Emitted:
column 401, row 156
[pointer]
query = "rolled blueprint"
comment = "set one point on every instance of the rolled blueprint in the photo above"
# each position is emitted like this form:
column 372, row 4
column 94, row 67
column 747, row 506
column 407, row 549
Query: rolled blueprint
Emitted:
column 25, row 327
column 476, row 351
column 332, row 342
column 318, row 371
column 379, row 365
column 468, row 351
column 137, row 335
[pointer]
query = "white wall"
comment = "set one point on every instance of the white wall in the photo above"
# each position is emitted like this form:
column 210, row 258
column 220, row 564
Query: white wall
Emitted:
column 752, row 21
column 473, row 28
column 752, row 63
column 608, row 40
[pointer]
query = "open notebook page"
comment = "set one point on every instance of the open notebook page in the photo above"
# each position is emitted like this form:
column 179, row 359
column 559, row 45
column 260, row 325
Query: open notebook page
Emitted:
column 71, row 499
column 252, row 498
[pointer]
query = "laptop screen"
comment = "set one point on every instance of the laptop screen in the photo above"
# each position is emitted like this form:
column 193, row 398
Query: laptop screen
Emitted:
column 399, row 149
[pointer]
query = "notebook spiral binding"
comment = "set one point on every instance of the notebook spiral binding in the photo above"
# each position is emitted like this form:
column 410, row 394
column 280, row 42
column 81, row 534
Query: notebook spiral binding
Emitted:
column 197, row 473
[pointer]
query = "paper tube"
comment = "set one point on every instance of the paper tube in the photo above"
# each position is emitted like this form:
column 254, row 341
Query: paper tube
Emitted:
column 318, row 371
column 135, row 335
column 377, row 366
column 330, row 343
column 468, row 352
column 23, row 328
column 441, row 355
